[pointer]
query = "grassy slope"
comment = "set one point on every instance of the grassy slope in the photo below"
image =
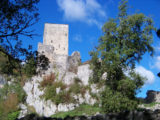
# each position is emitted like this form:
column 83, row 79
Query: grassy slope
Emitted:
column 83, row 109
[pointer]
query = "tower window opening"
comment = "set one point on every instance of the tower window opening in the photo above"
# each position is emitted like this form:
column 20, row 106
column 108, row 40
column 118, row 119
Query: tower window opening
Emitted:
column 59, row 46
column 51, row 41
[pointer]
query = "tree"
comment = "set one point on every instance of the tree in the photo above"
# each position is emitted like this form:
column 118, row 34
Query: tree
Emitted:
column 16, row 19
column 126, row 39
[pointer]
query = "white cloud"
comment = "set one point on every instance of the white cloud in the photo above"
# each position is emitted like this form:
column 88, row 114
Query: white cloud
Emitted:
column 145, row 73
column 157, row 62
column 77, row 38
column 89, row 11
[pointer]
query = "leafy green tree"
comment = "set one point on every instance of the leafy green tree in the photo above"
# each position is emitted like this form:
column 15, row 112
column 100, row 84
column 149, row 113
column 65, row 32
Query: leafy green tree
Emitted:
column 126, row 39
column 17, row 17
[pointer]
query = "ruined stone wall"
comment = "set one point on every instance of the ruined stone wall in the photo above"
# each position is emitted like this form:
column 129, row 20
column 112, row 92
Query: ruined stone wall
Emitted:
column 55, row 44
column 152, row 96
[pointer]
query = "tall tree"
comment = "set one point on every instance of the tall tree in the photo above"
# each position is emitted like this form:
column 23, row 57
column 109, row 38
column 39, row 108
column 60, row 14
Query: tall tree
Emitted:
column 16, row 20
column 126, row 39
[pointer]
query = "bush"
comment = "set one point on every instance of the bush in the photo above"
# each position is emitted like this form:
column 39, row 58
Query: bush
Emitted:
column 11, row 103
column 114, row 101
column 64, row 95
column 10, row 97
column 30, row 67
column 61, row 97
column 13, row 115
column 48, row 80
column 8, row 107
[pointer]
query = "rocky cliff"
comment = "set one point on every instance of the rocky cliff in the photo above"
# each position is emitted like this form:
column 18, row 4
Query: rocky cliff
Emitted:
column 75, row 70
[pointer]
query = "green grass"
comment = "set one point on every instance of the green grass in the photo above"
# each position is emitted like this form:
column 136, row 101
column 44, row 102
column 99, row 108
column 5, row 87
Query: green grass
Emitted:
column 83, row 109
column 151, row 104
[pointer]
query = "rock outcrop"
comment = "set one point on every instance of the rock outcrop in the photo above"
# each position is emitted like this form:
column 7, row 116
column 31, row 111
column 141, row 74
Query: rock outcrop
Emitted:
column 152, row 96
column 48, row 108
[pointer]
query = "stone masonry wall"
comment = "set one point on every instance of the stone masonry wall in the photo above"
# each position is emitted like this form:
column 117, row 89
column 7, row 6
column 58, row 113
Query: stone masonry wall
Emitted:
column 57, row 36
column 55, row 44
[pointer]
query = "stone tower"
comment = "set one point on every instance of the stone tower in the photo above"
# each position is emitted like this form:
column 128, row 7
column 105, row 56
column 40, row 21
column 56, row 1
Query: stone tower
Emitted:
column 55, row 43
column 57, row 36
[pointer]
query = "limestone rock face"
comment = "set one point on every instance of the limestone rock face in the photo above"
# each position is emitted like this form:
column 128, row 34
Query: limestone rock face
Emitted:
column 84, row 72
column 69, row 78
column 42, row 107
column 66, row 69
column 73, row 62
column 48, row 108
column 74, row 59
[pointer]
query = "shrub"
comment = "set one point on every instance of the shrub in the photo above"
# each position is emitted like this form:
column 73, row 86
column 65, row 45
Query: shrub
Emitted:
column 17, row 88
column 78, row 88
column 8, row 107
column 11, row 103
column 13, row 115
column 10, row 97
column 75, row 88
column 77, row 80
column 114, row 101
column 61, row 97
column 48, row 80
column 49, row 93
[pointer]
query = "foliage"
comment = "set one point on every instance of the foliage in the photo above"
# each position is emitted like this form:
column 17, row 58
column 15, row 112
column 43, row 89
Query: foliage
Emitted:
column 126, row 39
column 10, row 96
column 13, row 88
column 62, row 96
column 48, row 80
column 58, row 92
column 13, row 115
column 83, row 109
column 50, row 85
column 77, row 87
column 33, row 64
column 115, row 101
column 30, row 67
column 16, row 18
column 151, row 104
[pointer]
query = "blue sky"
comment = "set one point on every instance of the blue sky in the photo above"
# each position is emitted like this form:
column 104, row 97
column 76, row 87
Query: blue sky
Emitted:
column 85, row 19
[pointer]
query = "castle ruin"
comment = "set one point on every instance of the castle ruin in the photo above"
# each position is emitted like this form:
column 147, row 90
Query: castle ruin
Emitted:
column 55, row 44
